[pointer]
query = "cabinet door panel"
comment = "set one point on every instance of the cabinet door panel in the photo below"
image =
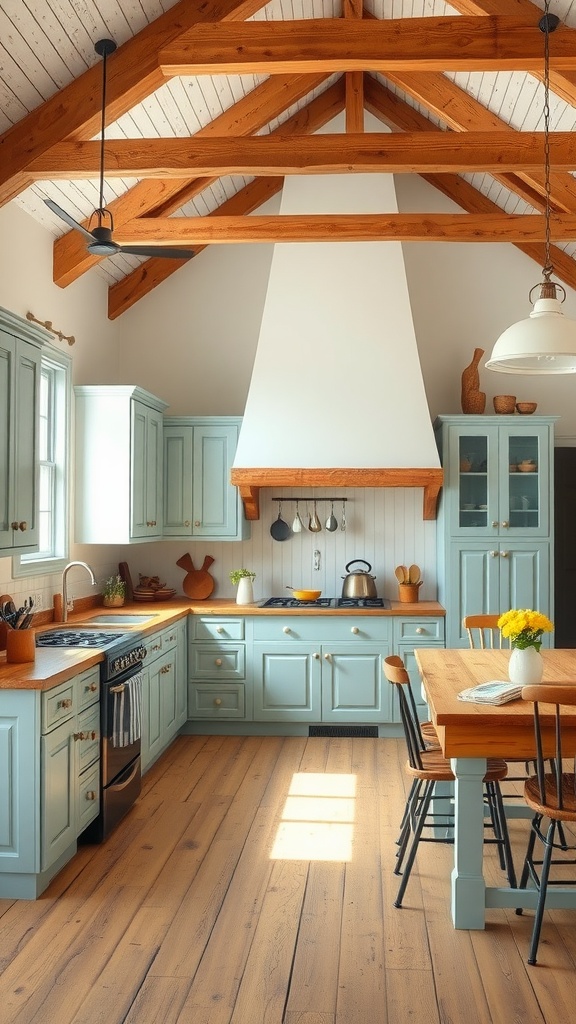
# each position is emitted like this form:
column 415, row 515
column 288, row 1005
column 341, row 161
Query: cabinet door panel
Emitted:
column 215, row 502
column 178, row 481
column 154, row 482
column 26, row 441
column 138, row 527
column 286, row 683
column 473, row 585
column 353, row 685
column 524, row 578
column 168, row 714
column 151, row 714
column 58, row 794
column 6, row 443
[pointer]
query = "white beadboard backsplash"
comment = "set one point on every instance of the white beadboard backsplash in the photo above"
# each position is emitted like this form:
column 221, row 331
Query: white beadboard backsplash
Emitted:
column 384, row 526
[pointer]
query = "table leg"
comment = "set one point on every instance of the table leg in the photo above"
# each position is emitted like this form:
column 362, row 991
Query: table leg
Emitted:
column 468, row 886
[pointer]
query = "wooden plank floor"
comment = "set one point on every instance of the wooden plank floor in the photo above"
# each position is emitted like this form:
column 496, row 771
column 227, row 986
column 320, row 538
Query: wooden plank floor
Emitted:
column 252, row 884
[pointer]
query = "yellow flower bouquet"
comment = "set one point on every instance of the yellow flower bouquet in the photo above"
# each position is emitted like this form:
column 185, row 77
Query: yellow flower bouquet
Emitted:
column 524, row 627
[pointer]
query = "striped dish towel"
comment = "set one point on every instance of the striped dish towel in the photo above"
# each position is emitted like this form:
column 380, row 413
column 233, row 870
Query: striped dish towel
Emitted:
column 127, row 713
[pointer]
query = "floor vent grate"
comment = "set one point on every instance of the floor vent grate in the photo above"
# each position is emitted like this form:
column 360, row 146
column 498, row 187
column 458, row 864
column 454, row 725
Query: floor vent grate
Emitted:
column 343, row 730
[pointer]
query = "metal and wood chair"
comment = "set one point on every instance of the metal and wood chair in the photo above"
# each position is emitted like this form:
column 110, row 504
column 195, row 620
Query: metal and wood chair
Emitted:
column 551, row 794
column 427, row 768
column 483, row 632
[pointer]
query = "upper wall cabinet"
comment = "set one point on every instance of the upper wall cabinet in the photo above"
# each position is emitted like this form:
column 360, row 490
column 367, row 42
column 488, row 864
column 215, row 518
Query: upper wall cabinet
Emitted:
column 199, row 501
column 119, row 455
column 20, row 354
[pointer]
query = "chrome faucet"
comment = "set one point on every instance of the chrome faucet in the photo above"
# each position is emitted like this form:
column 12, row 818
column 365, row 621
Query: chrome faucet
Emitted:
column 65, row 587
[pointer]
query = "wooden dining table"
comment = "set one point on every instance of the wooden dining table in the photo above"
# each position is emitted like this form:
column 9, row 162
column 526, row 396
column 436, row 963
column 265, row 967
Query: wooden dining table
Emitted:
column 471, row 733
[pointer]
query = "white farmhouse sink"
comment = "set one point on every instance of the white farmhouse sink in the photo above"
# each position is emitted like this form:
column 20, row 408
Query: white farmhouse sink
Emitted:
column 117, row 619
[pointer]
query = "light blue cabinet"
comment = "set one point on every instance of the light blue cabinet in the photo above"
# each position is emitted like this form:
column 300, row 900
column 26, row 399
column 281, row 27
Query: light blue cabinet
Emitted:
column 49, row 765
column 199, row 501
column 164, row 697
column 20, row 355
column 217, row 686
column 119, row 465
column 321, row 669
column 495, row 522
column 410, row 633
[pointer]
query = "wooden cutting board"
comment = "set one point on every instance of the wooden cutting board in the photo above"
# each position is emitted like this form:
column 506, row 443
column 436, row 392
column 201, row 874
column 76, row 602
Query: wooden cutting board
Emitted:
column 198, row 583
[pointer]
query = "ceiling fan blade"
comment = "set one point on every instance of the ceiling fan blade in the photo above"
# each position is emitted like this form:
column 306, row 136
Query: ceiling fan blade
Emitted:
column 67, row 218
column 157, row 250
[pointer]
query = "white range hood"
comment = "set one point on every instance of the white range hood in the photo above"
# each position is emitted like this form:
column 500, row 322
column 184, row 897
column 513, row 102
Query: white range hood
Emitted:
column 336, row 396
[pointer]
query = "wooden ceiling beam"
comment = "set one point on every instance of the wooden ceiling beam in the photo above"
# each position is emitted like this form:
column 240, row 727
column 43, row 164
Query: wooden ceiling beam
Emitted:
column 248, row 115
column 374, row 227
column 431, row 152
column 133, row 74
column 154, row 271
column 407, row 44
column 352, row 10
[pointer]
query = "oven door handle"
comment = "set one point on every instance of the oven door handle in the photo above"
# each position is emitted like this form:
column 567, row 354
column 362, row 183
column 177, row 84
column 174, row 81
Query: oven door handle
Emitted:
column 118, row 786
column 117, row 689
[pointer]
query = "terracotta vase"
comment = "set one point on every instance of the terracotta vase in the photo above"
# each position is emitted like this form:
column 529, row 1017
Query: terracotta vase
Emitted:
column 525, row 667
column 472, row 399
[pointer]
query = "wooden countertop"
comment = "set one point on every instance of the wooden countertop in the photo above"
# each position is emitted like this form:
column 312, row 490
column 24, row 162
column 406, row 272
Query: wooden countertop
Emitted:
column 54, row 665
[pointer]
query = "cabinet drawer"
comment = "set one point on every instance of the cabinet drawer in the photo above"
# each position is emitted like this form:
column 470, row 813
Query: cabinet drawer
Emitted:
column 317, row 628
column 87, row 737
column 88, row 687
column 216, row 629
column 154, row 646
column 215, row 701
column 214, row 661
column 88, row 796
column 58, row 704
column 424, row 629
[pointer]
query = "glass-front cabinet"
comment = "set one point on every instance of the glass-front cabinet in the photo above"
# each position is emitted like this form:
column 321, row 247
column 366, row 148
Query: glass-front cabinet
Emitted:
column 495, row 520
column 502, row 476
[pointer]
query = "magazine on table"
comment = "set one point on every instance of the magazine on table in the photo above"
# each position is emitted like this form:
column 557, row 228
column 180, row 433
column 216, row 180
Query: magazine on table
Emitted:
column 496, row 691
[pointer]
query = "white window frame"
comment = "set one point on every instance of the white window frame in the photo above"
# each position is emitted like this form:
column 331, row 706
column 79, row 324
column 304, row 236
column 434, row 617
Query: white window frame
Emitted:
column 58, row 366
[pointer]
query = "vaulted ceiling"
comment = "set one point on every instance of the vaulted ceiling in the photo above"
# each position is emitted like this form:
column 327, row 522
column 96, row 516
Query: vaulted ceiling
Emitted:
column 211, row 102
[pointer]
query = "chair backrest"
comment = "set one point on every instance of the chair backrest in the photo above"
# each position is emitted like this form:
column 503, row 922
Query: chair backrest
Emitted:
column 396, row 674
column 559, row 695
column 483, row 632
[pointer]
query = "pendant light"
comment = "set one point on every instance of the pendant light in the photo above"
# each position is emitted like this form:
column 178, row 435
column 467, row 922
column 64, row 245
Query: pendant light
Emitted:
column 545, row 342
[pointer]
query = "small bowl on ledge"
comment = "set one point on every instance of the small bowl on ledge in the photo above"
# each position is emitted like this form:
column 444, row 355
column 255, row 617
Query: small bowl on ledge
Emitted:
column 526, row 408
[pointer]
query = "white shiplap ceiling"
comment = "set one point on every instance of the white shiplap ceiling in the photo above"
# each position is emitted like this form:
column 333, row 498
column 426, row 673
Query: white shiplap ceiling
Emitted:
column 46, row 44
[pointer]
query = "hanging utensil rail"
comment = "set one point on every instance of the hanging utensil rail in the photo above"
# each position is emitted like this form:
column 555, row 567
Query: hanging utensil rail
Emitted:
column 309, row 499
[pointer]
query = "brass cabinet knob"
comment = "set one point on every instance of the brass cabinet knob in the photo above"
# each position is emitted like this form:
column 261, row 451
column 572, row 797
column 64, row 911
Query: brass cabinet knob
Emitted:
column 186, row 522
column 67, row 703
column 286, row 629
column 505, row 524
column 327, row 657
column 316, row 655
column 23, row 526
column 91, row 794
column 14, row 526
column 420, row 630
column 219, row 629
column 93, row 687
column 354, row 629
column 504, row 554
column 495, row 523
column 196, row 522
column 494, row 554
column 217, row 701
column 81, row 736
column 218, row 662
column 93, row 735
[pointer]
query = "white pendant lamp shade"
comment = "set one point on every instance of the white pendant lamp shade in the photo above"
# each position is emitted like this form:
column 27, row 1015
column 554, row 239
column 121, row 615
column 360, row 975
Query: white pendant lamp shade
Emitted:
column 544, row 343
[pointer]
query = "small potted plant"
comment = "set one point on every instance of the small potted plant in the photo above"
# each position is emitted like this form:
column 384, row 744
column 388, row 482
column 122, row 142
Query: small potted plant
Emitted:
column 243, row 579
column 114, row 592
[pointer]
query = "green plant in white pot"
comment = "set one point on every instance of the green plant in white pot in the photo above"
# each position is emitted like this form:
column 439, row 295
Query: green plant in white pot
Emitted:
column 243, row 579
column 114, row 592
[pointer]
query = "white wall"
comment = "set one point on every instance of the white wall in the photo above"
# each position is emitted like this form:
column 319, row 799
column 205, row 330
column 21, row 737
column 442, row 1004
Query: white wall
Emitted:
column 192, row 342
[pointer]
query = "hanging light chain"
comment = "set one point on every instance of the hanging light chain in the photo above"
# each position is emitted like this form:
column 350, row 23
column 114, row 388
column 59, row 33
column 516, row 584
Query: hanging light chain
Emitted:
column 548, row 23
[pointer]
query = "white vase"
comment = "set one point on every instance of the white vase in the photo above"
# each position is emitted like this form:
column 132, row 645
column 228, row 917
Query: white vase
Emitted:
column 245, row 592
column 525, row 667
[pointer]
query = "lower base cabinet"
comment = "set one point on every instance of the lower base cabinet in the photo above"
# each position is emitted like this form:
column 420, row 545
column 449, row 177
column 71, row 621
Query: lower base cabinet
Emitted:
column 410, row 633
column 164, row 697
column 50, row 757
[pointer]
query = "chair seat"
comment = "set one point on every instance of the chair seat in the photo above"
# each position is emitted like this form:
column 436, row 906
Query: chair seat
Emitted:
column 550, row 808
column 436, row 768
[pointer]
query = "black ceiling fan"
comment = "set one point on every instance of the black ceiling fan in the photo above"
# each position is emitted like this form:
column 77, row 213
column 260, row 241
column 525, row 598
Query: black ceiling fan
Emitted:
column 100, row 241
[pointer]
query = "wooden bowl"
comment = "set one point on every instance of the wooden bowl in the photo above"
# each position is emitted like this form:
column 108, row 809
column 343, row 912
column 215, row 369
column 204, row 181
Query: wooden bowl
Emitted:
column 504, row 404
column 526, row 408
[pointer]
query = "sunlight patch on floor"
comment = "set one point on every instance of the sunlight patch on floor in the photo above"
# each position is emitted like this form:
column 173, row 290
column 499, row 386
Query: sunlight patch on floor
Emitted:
column 317, row 819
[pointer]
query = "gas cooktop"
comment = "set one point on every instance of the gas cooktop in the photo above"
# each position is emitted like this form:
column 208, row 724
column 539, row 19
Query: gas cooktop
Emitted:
column 77, row 638
column 327, row 602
